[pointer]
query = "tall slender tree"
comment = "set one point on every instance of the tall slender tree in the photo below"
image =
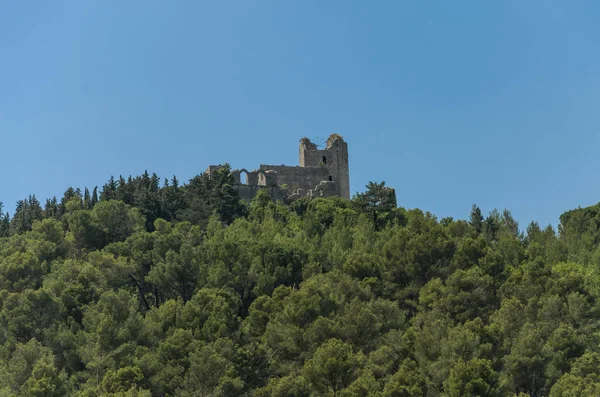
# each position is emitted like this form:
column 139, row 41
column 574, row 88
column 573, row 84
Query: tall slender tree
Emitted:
column 86, row 199
column 109, row 190
column 28, row 211
column 476, row 219
column 94, row 198
column 4, row 222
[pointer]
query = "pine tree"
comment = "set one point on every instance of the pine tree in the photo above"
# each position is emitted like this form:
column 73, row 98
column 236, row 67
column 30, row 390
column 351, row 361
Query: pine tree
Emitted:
column 69, row 194
column 171, row 199
column 94, row 198
column 154, row 183
column 4, row 222
column 87, row 199
column 379, row 201
column 109, row 190
column 28, row 211
column 476, row 219
column 51, row 209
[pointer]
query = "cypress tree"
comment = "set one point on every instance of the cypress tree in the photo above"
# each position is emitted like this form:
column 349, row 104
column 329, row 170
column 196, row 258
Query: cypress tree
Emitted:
column 94, row 198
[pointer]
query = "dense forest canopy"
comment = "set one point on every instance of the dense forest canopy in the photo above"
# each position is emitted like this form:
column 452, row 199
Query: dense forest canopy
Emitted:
column 143, row 288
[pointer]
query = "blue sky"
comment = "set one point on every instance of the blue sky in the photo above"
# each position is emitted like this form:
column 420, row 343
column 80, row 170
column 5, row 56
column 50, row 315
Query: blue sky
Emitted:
column 450, row 102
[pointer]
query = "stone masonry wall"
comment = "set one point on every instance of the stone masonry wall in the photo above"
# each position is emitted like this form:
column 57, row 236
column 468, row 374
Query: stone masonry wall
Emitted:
column 321, row 173
column 297, row 177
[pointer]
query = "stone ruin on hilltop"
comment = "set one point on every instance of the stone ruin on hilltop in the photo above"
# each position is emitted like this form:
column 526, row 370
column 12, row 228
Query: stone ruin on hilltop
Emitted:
column 321, row 173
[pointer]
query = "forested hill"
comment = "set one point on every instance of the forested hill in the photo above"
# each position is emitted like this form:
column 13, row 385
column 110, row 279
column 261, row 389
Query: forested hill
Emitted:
column 159, row 289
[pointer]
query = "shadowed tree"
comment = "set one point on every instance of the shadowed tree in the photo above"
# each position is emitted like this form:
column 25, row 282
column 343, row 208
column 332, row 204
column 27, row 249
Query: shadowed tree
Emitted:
column 27, row 212
column 4, row 222
column 333, row 367
column 476, row 219
column 379, row 201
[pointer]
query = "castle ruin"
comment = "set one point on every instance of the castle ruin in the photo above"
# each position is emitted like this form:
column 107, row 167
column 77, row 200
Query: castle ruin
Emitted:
column 321, row 173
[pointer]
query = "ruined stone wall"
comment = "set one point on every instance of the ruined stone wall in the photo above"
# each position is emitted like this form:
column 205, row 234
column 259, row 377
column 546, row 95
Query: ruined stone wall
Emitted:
column 297, row 177
column 324, row 189
column 212, row 168
column 317, row 158
column 334, row 158
column 321, row 173
column 305, row 146
column 342, row 167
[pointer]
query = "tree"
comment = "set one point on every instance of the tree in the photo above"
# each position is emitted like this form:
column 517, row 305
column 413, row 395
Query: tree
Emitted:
column 4, row 222
column 476, row 219
column 321, row 296
column 177, row 276
column 406, row 382
column 215, row 192
column 582, row 380
column 31, row 372
column 27, row 212
column 87, row 199
column 45, row 380
column 72, row 196
column 225, row 198
column 379, row 201
column 212, row 371
column 109, row 190
column 172, row 199
column 116, row 220
column 94, row 198
column 51, row 209
column 333, row 367
column 473, row 379
column 122, row 380
column 491, row 225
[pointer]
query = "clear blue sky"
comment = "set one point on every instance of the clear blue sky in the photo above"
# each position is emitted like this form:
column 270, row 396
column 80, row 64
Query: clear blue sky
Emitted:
column 450, row 102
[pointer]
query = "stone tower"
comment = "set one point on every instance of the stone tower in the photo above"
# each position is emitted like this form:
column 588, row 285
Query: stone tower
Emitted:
column 334, row 158
column 321, row 173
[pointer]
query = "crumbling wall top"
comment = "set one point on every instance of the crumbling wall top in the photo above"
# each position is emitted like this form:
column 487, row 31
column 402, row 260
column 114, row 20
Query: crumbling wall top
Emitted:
column 332, row 139
column 308, row 145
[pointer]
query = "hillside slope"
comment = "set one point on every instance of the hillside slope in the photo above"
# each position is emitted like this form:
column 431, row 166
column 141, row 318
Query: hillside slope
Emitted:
column 145, row 289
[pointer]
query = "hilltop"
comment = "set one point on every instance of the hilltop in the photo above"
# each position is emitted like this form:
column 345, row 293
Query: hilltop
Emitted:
column 143, row 288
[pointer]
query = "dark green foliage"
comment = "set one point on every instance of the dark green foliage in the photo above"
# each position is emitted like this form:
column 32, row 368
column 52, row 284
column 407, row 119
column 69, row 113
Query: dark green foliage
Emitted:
column 476, row 219
column 333, row 367
column 194, row 202
column 72, row 196
column 27, row 212
column 94, row 198
column 109, row 190
column 205, row 194
column 379, row 201
column 473, row 378
column 51, row 209
column 4, row 222
column 184, row 290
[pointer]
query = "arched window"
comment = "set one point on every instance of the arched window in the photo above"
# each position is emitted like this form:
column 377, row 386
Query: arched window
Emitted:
column 243, row 177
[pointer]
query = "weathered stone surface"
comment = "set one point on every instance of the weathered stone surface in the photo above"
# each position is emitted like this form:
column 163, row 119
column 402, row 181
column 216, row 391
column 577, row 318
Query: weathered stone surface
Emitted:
column 321, row 173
